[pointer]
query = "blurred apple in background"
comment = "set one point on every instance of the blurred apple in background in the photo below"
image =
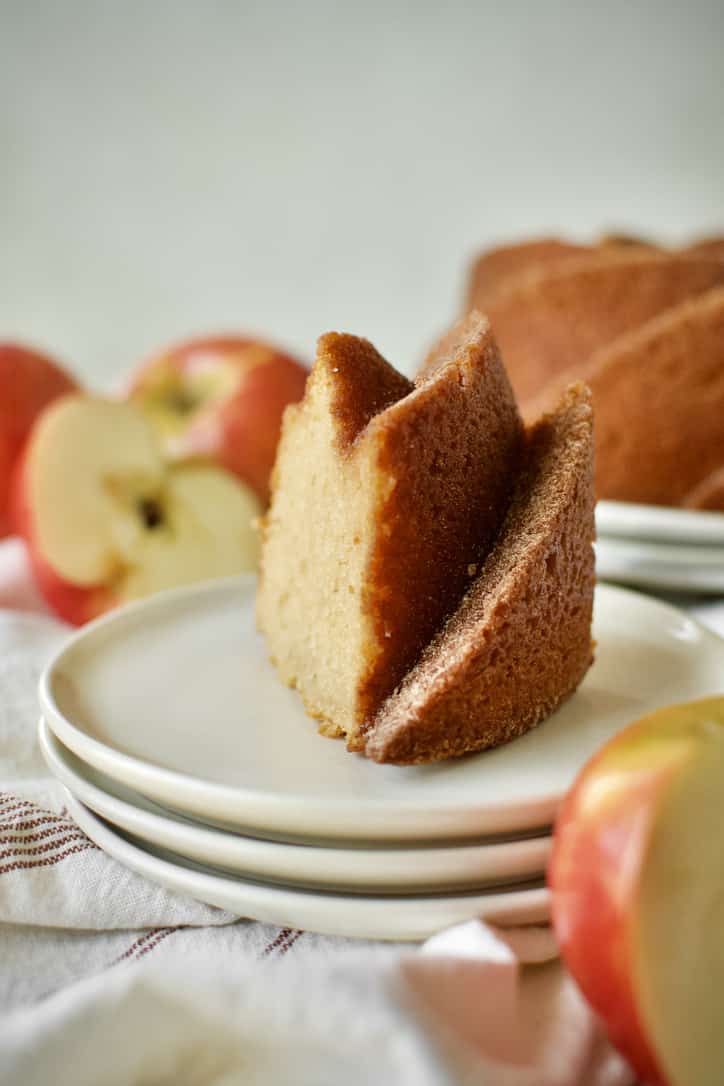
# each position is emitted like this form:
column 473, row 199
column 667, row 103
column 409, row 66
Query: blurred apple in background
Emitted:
column 107, row 519
column 637, row 879
column 29, row 381
column 221, row 398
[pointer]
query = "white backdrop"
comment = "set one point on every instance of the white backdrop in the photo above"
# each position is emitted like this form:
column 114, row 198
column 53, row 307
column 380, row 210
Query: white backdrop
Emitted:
column 172, row 168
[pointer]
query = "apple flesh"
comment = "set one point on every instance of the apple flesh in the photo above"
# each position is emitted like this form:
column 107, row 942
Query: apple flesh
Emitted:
column 107, row 520
column 221, row 399
column 28, row 383
column 637, row 881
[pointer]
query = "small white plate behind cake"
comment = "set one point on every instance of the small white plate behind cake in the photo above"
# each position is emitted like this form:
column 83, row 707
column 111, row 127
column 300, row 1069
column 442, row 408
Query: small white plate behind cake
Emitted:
column 658, row 547
column 361, row 916
column 175, row 698
column 659, row 523
column 364, row 870
column 672, row 566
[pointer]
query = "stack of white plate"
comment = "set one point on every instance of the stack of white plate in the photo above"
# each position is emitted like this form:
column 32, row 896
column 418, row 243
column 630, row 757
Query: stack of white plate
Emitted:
column 653, row 546
column 186, row 759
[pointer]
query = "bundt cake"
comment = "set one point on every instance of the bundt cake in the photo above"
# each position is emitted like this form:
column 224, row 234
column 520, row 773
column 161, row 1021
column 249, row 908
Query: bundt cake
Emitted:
column 564, row 311
column 660, row 427
column 710, row 246
column 519, row 642
column 548, row 322
column 707, row 495
column 495, row 270
column 386, row 497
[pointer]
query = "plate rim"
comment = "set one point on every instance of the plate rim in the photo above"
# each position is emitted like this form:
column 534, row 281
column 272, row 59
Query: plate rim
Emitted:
column 657, row 571
column 537, row 812
column 212, row 884
column 678, row 554
column 665, row 523
column 109, row 805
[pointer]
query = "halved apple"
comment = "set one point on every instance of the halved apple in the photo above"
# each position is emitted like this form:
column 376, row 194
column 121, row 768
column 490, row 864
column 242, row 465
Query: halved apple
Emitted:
column 637, row 877
column 107, row 520
column 221, row 398
column 29, row 381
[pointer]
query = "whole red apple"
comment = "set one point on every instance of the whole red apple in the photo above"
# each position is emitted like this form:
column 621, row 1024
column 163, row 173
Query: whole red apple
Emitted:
column 637, row 881
column 106, row 519
column 29, row 381
column 221, row 398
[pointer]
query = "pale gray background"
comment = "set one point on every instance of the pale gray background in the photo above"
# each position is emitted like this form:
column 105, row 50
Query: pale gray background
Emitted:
column 172, row 168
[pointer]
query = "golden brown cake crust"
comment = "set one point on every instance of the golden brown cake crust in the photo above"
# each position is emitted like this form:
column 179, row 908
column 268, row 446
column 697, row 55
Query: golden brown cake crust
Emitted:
column 658, row 395
column 519, row 643
column 365, row 383
column 496, row 268
column 452, row 448
column 551, row 321
column 709, row 247
column 708, row 495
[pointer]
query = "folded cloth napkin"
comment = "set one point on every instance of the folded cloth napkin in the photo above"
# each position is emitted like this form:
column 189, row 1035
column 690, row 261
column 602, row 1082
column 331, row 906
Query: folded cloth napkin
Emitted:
column 108, row 978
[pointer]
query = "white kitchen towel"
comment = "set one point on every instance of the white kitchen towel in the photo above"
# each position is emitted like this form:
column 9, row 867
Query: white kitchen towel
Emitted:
column 107, row 978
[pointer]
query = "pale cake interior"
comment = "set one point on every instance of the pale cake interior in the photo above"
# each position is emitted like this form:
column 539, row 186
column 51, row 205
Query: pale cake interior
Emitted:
column 338, row 634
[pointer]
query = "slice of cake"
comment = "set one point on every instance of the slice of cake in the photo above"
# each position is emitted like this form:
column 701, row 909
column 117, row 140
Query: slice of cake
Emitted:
column 519, row 643
column 386, row 496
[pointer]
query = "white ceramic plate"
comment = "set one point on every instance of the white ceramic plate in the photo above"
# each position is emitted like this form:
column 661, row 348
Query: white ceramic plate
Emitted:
column 175, row 697
column 659, row 522
column 672, row 566
column 359, row 916
column 368, row 870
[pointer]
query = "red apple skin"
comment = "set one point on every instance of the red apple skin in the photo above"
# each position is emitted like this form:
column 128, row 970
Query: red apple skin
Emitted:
column 598, row 851
column 29, row 381
column 241, row 431
column 74, row 604
column 250, row 427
